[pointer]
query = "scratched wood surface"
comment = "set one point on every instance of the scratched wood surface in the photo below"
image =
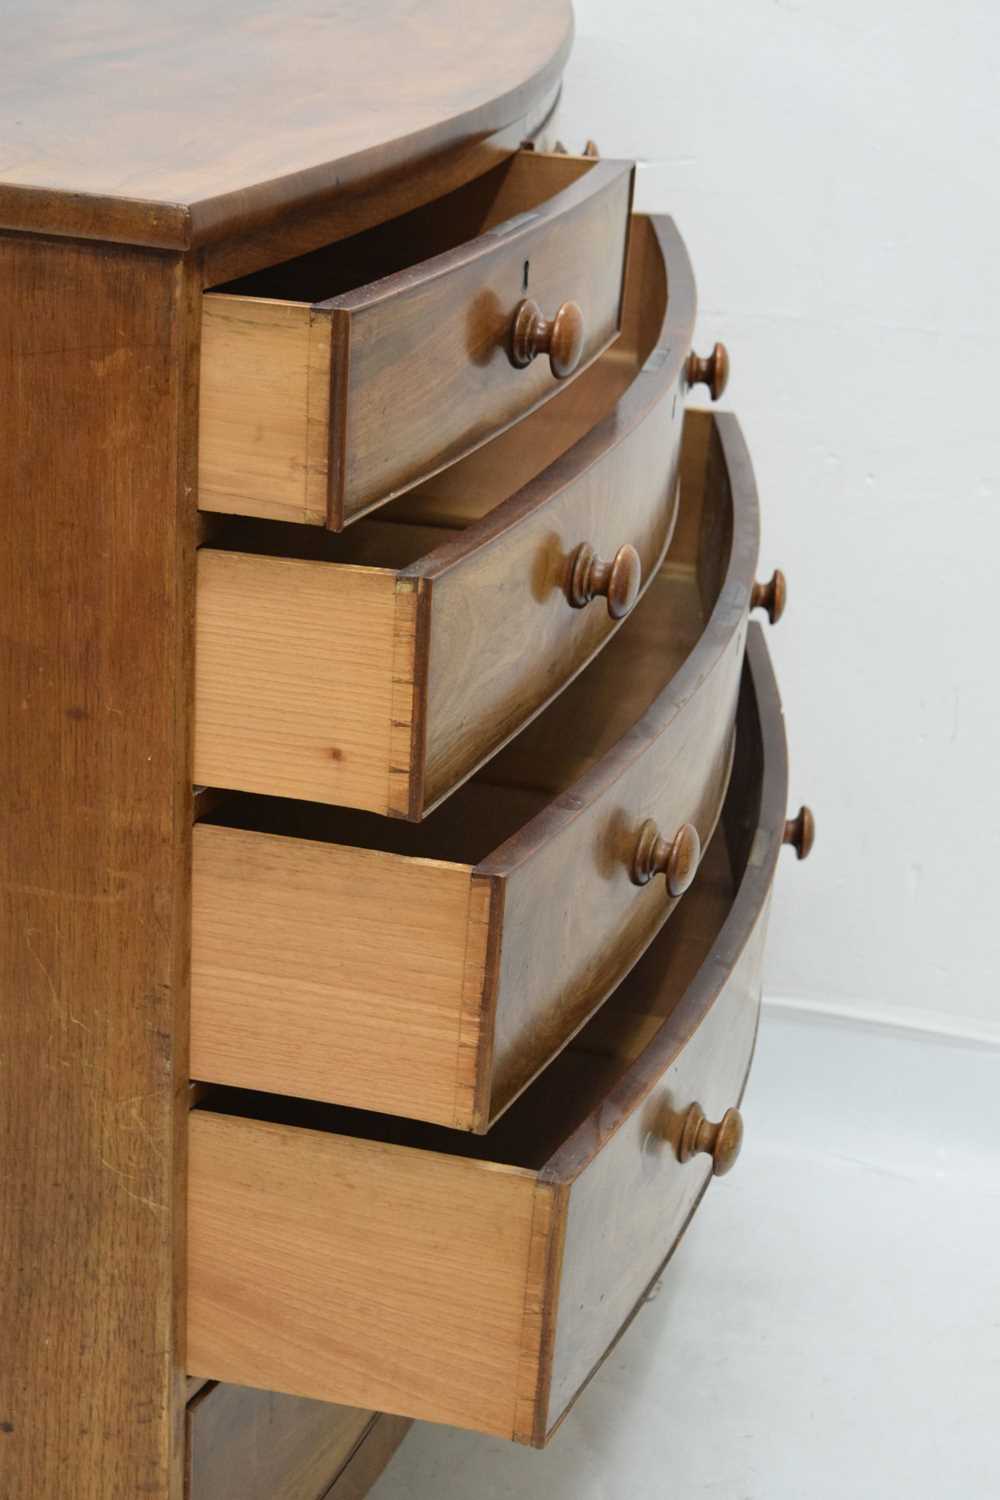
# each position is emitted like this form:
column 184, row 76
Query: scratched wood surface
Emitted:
column 99, row 375
column 214, row 119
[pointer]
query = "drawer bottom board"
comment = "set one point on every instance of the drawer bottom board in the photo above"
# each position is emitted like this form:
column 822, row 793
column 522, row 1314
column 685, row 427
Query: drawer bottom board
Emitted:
column 248, row 1444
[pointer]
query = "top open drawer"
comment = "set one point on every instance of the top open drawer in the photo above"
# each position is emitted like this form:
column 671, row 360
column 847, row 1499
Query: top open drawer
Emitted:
column 332, row 383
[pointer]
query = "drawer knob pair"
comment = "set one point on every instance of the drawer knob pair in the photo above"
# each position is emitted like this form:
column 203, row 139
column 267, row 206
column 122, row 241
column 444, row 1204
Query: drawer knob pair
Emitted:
column 561, row 338
column 677, row 860
column 800, row 832
column 617, row 581
column 771, row 596
column 711, row 370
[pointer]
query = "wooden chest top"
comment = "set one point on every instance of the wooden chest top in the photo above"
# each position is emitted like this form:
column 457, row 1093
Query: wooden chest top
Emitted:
column 171, row 124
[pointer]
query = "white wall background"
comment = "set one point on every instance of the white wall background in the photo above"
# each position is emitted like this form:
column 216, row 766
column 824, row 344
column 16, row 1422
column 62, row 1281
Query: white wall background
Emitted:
column 834, row 166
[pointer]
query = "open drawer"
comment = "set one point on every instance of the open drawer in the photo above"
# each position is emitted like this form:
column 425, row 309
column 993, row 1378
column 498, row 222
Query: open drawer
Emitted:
column 379, row 668
column 333, row 382
column 480, row 1280
column 432, row 969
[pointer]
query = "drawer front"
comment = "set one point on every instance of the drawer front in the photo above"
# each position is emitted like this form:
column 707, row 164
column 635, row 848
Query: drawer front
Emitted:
column 503, row 632
column 317, row 412
column 630, row 1205
column 575, row 920
column 478, row 1281
column 433, row 350
column 632, row 1187
column 328, row 677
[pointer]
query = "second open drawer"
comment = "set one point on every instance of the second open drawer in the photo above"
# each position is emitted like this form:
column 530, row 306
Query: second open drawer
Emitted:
column 430, row 970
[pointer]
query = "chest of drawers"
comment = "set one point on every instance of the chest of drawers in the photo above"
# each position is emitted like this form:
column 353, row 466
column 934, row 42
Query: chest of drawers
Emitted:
column 355, row 482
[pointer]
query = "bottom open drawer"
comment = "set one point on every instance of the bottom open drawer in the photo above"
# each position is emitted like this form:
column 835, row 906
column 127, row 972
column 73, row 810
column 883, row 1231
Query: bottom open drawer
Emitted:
column 384, row 1263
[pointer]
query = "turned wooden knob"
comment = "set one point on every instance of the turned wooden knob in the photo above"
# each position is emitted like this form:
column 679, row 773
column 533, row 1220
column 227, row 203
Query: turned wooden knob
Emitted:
column 617, row 581
column 713, row 371
column 771, row 596
column 721, row 1142
column 678, row 860
column 800, row 832
column 561, row 339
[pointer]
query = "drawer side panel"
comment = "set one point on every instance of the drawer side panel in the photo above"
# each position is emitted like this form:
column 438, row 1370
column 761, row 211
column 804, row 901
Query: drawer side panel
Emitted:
column 336, row 973
column 294, row 690
column 265, row 404
column 357, row 1272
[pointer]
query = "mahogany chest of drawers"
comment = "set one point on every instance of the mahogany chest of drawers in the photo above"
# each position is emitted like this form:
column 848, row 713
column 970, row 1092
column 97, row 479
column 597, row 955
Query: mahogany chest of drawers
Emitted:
column 393, row 779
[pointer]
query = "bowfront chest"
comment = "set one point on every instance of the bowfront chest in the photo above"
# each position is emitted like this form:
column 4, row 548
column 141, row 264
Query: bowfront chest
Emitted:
column 393, row 774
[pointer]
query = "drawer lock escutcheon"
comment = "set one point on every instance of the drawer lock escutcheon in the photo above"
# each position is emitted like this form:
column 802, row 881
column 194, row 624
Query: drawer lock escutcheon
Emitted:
column 561, row 338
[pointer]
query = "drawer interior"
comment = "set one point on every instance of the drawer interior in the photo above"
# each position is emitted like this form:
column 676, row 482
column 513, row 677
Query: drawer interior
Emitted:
column 587, row 719
column 412, row 526
column 517, row 186
column 576, row 1081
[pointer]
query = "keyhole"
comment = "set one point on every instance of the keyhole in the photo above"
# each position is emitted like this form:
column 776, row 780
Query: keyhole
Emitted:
column 524, row 278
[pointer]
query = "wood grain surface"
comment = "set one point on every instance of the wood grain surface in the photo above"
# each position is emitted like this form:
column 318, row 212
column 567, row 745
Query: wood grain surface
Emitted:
column 371, row 1457
column 610, row 1256
column 246, row 1444
column 430, row 1254
column 700, row 1053
column 432, row 349
column 468, row 490
column 431, row 972
column 373, row 387
column 313, row 665
column 264, row 444
column 172, row 127
column 564, row 1212
column 99, row 372
column 338, row 973
column 320, row 223
column 647, row 733
column 294, row 687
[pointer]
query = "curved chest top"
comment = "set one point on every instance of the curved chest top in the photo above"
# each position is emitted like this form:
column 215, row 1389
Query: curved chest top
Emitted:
column 174, row 124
